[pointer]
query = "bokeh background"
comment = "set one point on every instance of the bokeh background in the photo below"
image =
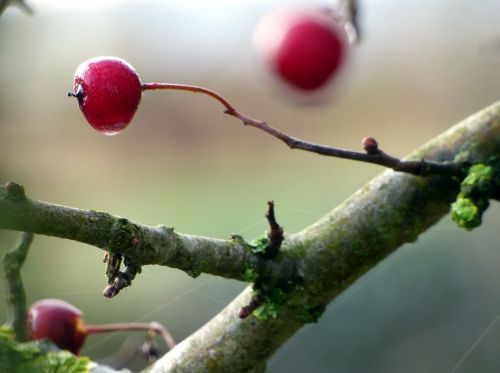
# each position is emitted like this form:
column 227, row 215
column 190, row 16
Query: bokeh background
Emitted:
column 423, row 65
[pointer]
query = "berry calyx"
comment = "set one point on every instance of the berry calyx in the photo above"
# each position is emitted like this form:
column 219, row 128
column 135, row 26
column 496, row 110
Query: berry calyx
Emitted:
column 305, row 48
column 58, row 321
column 108, row 91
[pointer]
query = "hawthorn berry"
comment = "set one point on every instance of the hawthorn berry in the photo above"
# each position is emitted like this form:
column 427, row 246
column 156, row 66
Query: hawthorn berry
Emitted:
column 304, row 47
column 58, row 321
column 108, row 91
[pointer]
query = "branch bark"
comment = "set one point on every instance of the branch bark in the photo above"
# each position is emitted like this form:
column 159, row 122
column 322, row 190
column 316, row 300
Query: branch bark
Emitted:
column 391, row 210
column 142, row 244
column 322, row 260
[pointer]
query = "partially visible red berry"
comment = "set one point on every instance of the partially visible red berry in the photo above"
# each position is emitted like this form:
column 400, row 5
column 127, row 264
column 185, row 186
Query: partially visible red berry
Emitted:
column 59, row 322
column 62, row 323
column 304, row 47
column 108, row 91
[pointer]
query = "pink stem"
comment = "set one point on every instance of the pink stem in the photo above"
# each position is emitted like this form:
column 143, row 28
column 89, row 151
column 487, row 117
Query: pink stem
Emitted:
column 116, row 327
column 190, row 88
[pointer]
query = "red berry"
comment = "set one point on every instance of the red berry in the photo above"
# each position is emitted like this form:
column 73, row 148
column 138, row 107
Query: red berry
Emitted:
column 108, row 91
column 58, row 321
column 304, row 47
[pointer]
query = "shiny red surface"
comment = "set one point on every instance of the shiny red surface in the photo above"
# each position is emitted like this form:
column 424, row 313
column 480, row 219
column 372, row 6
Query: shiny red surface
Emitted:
column 111, row 93
column 309, row 54
column 304, row 47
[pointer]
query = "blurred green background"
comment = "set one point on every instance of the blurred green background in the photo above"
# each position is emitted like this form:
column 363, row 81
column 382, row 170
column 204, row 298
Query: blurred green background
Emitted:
column 422, row 66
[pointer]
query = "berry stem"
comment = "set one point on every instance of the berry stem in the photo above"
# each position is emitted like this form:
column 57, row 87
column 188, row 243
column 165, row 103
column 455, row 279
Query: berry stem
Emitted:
column 190, row 88
column 419, row 168
column 115, row 327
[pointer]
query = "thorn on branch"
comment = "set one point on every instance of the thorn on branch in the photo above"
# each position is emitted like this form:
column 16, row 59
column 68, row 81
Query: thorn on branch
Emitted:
column 275, row 234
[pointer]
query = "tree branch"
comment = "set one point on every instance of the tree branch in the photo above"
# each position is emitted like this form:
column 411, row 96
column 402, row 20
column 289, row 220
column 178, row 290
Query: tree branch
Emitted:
column 391, row 210
column 414, row 167
column 141, row 244
column 320, row 261
column 13, row 261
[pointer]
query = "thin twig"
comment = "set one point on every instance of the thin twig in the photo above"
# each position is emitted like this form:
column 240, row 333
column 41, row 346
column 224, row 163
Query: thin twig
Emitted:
column 118, row 280
column 13, row 260
column 349, row 10
column 420, row 168
column 113, row 262
column 275, row 234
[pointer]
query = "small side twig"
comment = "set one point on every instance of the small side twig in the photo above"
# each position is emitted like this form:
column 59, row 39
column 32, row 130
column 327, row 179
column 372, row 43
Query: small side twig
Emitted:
column 113, row 262
column 419, row 168
column 13, row 260
column 352, row 24
column 118, row 280
column 275, row 234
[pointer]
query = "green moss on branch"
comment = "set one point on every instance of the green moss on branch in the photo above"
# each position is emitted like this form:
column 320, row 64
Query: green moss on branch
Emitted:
column 142, row 244
column 391, row 210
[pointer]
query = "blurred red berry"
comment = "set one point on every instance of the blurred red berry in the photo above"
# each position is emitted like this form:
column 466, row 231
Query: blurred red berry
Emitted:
column 304, row 47
column 59, row 322
column 108, row 91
